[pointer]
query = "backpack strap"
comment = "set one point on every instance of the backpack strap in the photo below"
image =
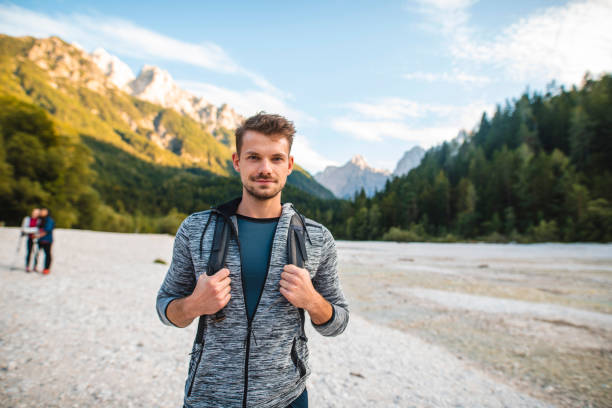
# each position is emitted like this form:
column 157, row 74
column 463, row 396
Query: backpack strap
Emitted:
column 296, row 252
column 216, row 261
column 296, row 255
column 218, row 254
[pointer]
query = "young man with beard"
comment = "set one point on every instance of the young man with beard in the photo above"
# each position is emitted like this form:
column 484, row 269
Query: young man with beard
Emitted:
column 257, row 355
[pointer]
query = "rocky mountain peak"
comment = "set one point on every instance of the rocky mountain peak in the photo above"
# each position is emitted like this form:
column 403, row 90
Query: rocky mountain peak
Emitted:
column 354, row 175
column 359, row 161
column 63, row 61
column 156, row 85
column 118, row 72
column 228, row 118
column 411, row 159
column 100, row 71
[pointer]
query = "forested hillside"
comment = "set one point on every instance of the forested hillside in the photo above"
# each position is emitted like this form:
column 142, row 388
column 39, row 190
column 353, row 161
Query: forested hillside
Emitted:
column 88, row 183
column 540, row 169
column 98, row 157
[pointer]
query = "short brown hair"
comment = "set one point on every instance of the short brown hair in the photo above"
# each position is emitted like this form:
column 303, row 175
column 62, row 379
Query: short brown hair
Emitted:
column 268, row 124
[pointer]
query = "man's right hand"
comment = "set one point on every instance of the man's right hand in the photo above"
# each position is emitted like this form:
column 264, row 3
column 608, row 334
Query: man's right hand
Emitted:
column 210, row 295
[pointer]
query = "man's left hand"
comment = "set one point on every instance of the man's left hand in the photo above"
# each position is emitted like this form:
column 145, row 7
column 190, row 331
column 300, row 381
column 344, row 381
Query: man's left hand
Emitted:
column 296, row 286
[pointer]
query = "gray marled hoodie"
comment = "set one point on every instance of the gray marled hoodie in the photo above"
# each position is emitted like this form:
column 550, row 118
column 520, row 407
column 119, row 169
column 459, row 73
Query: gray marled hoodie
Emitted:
column 238, row 364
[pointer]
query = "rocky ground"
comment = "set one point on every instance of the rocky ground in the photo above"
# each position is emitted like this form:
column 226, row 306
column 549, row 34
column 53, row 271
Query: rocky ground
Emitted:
column 430, row 327
column 537, row 317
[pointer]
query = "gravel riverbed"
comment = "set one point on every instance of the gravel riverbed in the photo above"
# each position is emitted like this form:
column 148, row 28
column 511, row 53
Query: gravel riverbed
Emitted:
column 88, row 335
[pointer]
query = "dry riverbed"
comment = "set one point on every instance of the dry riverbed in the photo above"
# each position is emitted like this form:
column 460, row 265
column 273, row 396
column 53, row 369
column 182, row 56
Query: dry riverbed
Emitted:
column 534, row 316
column 432, row 325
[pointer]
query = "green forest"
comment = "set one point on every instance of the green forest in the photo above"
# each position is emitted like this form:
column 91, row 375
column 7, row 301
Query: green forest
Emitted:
column 91, row 184
column 538, row 170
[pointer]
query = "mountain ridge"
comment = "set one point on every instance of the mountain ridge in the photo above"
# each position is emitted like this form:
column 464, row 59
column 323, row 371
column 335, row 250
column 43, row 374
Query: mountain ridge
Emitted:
column 355, row 174
column 67, row 82
column 346, row 180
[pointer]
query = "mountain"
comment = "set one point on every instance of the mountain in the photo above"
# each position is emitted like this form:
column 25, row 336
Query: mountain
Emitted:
column 144, row 157
column 356, row 174
column 344, row 181
column 118, row 72
column 66, row 82
column 409, row 160
column 148, row 116
column 155, row 85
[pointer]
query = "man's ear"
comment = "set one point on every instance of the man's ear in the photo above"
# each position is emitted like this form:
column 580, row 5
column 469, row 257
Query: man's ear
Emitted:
column 236, row 162
column 290, row 162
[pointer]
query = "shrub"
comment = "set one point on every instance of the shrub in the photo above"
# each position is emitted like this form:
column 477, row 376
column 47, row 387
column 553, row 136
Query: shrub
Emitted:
column 416, row 233
column 545, row 231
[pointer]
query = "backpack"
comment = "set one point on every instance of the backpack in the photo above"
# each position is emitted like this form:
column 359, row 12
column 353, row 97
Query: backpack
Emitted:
column 296, row 255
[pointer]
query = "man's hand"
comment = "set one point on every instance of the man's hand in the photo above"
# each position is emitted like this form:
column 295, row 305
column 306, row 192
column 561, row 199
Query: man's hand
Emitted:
column 210, row 295
column 296, row 287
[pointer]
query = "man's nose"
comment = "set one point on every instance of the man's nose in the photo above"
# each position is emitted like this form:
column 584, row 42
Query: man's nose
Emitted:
column 265, row 166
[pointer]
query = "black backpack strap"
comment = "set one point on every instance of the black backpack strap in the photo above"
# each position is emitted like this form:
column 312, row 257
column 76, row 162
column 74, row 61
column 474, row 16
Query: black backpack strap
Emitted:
column 216, row 261
column 218, row 253
column 296, row 245
column 296, row 252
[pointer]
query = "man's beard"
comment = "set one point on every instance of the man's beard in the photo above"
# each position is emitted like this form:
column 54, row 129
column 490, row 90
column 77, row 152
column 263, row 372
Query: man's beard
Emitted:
column 262, row 195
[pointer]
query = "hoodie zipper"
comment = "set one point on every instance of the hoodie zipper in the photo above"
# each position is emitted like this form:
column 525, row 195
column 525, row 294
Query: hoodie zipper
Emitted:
column 195, row 370
column 249, row 321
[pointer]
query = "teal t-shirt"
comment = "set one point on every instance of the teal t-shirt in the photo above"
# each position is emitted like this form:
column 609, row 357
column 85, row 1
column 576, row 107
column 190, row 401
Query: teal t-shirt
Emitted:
column 256, row 236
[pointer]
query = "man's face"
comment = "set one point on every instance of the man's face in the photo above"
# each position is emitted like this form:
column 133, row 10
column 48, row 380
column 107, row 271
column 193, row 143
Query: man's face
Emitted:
column 264, row 164
column 44, row 212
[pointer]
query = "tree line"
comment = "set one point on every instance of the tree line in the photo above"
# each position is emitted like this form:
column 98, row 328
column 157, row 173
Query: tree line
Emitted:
column 539, row 169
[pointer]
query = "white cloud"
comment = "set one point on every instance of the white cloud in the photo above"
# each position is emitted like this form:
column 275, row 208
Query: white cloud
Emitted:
column 408, row 120
column 561, row 42
column 450, row 16
column 390, row 108
column 447, row 4
column 455, row 77
column 307, row 157
column 405, row 109
column 557, row 43
column 376, row 131
column 125, row 38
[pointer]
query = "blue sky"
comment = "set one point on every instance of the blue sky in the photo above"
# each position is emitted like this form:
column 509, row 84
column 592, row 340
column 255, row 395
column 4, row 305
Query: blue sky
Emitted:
column 369, row 78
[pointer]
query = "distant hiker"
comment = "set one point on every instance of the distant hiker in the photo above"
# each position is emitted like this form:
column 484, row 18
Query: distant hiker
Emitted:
column 29, row 227
column 45, row 237
column 250, row 349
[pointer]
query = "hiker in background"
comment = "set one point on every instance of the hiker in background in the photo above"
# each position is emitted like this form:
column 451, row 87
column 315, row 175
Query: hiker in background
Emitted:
column 45, row 237
column 29, row 227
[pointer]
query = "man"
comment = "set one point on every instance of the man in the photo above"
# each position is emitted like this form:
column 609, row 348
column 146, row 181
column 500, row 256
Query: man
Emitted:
column 29, row 227
column 257, row 356
column 45, row 237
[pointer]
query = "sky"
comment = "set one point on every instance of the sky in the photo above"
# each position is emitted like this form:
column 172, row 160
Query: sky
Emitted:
column 373, row 78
